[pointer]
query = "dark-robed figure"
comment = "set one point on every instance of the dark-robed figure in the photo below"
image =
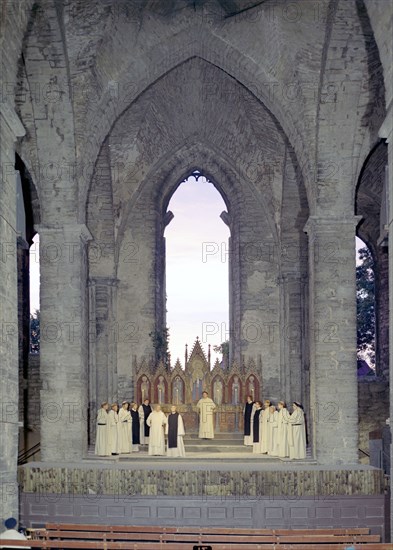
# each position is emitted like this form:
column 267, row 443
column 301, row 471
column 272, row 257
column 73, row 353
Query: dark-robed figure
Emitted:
column 135, row 427
column 174, row 429
column 248, row 410
column 145, row 411
column 256, row 427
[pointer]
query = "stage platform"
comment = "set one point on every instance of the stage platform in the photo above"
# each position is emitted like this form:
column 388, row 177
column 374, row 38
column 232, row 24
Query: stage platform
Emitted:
column 227, row 490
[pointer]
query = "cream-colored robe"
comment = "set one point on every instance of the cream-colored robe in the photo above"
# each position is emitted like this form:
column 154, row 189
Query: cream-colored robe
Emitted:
column 124, row 444
column 113, row 418
column 297, row 435
column 206, row 406
column 264, row 435
column 282, row 447
column 156, row 421
column 102, row 437
column 272, row 431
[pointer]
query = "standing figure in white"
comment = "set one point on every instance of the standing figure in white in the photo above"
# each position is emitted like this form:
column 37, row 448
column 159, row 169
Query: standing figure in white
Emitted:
column 156, row 422
column 102, row 437
column 125, row 428
column 296, row 432
column 206, row 406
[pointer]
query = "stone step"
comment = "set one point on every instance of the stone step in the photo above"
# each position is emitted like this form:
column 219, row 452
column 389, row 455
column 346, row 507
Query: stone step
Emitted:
column 217, row 435
column 227, row 441
column 214, row 448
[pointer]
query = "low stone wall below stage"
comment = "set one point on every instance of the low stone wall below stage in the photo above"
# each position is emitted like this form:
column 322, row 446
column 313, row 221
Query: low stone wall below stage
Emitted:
column 235, row 494
column 210, row 511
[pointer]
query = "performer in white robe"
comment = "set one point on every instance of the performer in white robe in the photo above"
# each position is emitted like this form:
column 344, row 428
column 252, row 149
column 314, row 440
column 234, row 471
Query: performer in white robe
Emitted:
column 206, row 406
column 156, row 422
column 282, row 448
column 114, row 429
column 174, row 429
column 272, row 430
column 144, row 412
column 102, row 436
column 264, row 436
column 249, row 409
column 297, row 432
column 124, row 429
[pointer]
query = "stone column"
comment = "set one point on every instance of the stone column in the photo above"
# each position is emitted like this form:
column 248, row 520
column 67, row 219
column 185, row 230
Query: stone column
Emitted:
column 10, row 129
column 23, row 271
column 64, row 342
column 386, row 132
column 292, row 336
column 333, row 426
column 103, row 336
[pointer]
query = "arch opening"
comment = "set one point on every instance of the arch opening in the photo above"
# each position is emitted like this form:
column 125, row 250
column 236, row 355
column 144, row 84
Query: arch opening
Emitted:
column 197, row 266
column 27, row 217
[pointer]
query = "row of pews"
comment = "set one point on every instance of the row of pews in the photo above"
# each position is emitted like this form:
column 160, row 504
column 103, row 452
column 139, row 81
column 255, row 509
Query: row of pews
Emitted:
column 110, row 537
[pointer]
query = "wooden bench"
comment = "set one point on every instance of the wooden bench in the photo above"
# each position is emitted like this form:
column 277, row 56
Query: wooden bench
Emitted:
column 95, row 545
column 111, row 537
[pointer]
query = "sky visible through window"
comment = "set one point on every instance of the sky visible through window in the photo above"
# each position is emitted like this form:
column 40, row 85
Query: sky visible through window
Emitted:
column 197, row 276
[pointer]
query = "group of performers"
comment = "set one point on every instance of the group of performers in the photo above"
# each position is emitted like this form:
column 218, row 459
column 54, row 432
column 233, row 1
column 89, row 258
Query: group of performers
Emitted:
column 269, row 430
column 122, row 431
column 275, row 431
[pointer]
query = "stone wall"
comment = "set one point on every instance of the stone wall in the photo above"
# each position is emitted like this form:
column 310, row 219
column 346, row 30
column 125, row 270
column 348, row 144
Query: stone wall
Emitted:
column 29, row 434
column 373, row 410
column 12, row 29
column 143, row 160
column 34, row 387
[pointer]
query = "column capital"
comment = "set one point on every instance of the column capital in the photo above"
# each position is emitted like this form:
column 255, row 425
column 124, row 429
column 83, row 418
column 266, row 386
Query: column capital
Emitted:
column 9, row 116
column 76, row 230
column 330, row 224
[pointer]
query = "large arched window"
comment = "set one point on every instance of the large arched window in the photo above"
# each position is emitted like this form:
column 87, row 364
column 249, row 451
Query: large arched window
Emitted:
column 197, row 267
column 27, row 217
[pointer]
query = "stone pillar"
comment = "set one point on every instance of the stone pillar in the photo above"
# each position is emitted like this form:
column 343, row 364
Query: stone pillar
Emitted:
column 23, row 271
column 10, row 129
column 292, row 334
column 64, row 342
column 103, row 336
column 333, row 425
column 386, row 132
column 92, row 336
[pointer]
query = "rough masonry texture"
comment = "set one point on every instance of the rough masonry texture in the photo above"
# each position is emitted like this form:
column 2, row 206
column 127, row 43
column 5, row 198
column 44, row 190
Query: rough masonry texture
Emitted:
column 106, row 107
